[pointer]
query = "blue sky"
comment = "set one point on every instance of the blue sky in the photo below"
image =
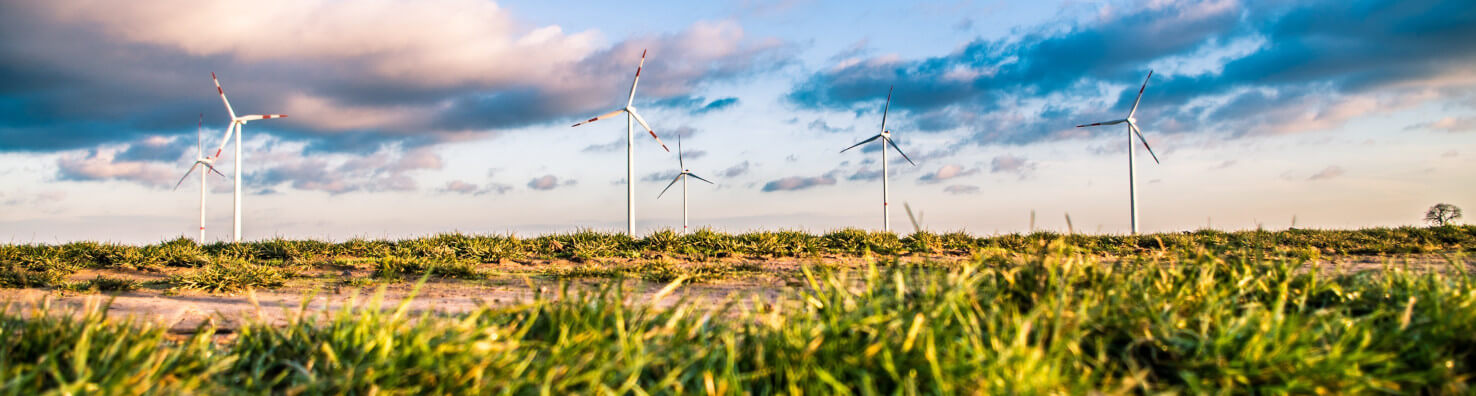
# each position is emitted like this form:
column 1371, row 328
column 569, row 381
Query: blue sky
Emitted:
column 416, row 117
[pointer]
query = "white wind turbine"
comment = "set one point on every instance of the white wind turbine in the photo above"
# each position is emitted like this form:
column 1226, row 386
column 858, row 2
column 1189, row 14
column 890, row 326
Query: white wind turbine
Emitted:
column 1132, row 124
column 200, row 159
column 886, row 137
column 682, row 177
column 630, row 112
column 238, row 126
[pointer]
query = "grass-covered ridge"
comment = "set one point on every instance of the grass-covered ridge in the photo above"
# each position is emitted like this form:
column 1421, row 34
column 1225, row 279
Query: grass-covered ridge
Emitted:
column 1056, row 321
column 445, row 250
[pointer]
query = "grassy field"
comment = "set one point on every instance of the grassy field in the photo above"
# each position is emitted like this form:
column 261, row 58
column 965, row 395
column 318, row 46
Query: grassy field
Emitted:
column 225, row 266
column 1203, row 312
column 1056, row 321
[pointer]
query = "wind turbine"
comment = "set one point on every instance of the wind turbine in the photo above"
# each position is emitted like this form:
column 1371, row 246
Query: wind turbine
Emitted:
column 1132, row 124
column 886, row 137
column 682, row 177
column 238, row 127
column 630, row 112
column 200, row 159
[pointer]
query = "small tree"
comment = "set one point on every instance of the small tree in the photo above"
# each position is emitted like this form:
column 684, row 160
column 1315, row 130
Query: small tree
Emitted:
column 1442, row 214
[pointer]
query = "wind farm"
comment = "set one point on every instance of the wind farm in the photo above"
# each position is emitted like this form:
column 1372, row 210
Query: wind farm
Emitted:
column 441, row 215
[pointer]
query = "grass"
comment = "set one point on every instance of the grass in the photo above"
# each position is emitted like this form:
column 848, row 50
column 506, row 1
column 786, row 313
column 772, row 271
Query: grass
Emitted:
column 395, row 268
column 706, row 244
column 1056, row 320
column 606, row 255
column 103, row 284
column 230, row 277
column 660, row 270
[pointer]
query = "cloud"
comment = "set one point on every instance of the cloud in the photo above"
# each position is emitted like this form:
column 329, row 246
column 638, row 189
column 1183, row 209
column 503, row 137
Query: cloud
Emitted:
column 105, row 166
column 795, row 183
column 1450, row 154
column 946, row 172
column 1223, row 165
column 1011, row 164
column 960, row 189
column 605, row 147
column 662, row 176
column 548, row 182
column 460, row 187
column 1233, row 67
column 734, row 171
column 353, row 76
column 865, row 175
column 386, row 170
column 696, row 105
column 154, row 148
column 1328, row 173
column 1447, row 124
column 822, row 126
column 718, row 105
column 463, row 187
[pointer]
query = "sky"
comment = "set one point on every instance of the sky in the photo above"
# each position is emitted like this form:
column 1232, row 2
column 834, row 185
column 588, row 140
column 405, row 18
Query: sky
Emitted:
column 411, row 118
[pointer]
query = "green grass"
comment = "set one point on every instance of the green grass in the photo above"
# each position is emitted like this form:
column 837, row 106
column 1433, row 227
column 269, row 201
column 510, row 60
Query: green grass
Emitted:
column 706, row 245
column 1057, row 320
column 660, row 270
column 395, row 268
column 103, row 284
column 230, row 277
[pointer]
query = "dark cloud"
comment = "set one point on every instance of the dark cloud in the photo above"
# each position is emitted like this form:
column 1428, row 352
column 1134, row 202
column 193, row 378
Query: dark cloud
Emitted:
column 1289, row 66
column 795, row 183
column 111, row 73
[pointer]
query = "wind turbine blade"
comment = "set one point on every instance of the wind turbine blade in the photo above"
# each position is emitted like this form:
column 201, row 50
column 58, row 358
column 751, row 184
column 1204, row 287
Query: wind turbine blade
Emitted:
column 222, row 96
column 1145, row 141
column 637, row 80
column 1113, row 122
column 899, row 151
column 700, row 178
column 601, row 117
column 1140, row 95
column 680, row 162
column 886, row 109
column 212, row 168
column 186, row 175
column 668, row 186
column 230, row 128
column 255, row 117
column 648, row 128
column 862, row 142
column 200, row 137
